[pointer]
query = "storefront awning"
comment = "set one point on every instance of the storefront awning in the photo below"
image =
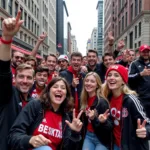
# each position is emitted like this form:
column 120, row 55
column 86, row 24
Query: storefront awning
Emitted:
column 26, row 52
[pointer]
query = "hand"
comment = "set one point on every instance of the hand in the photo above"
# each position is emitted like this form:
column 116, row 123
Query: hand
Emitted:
column 90, row 114
column 42, row 37
column 141, row 130
column 120, row 45
column 84, row 69
column 76, row 124
column 75, row 81
column 11, row 26
column 145, row 72
column 103, row 117
column 110, row 38
column 39, row 140
column 56, row 74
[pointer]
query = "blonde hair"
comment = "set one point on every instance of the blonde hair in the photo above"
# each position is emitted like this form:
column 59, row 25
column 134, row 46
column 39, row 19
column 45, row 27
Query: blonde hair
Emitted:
column 125, row 90
column 24, row 67
column 84, row 93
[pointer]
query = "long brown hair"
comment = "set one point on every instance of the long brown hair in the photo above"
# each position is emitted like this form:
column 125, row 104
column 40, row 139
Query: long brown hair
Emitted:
column 84, row 94
column 67, row 104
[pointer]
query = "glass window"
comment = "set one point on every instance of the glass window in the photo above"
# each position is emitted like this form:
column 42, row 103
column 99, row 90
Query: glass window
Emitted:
column 139, row 29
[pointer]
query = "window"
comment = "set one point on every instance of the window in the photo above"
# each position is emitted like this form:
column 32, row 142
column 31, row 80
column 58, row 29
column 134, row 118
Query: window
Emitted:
column 25, row 37
column 140, row 6
column 135, row 32
column 136, row 7
column 32, row 25
column 29, row 4
column 126, row 41
column 25, row 19
column 29, row 40
column 1, row 20
column 139, row 29
column 135, row 45
column 25, row 1
column 16, row 8
column 122, row 23
column 35, row 10
column 21, row 9
column 119, row 28
column 37, row 13
column 131, row 40
column 4, row 4
column 21, row 35
column 10, row 7
column 32, row 42
column 131, row 10
column 139, row 43
column 35, row 28
column 32, row 6
column 126, row 23
column 29, row 19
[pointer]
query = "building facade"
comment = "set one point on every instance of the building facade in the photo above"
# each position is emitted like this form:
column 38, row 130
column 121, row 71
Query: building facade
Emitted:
column 62, row 27
column 69, row 39
column 88, row 45
column 94, row 39
column 108, row 21
column 39, row 16
column 74, row 44
column 100, row 28
column 132, row 22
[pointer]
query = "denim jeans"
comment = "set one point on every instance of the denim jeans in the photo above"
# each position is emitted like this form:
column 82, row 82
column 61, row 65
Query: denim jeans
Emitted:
column 116, row 147
column 43, row 148
column 91, row 142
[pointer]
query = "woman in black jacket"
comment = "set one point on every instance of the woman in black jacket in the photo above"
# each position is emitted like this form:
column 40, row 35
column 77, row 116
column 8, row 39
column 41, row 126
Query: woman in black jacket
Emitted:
column 130, row 130
column 97, row 134
column 46, row 122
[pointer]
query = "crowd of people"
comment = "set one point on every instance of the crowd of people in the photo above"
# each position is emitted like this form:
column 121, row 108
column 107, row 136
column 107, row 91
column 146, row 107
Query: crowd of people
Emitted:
column 76, row 103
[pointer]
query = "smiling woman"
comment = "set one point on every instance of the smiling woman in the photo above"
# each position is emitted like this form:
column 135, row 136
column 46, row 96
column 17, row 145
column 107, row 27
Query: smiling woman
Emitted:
column 47, row 121
column 126, row 110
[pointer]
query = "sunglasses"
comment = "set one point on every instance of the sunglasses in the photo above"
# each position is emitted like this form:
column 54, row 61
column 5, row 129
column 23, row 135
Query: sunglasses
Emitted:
column 17, row 57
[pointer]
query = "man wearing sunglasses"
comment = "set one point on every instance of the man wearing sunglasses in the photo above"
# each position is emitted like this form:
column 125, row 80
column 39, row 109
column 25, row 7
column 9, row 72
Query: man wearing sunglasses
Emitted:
column 63, row 62
column 17, row 59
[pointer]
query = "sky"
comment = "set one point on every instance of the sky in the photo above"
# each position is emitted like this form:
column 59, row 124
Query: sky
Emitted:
column 83, row 18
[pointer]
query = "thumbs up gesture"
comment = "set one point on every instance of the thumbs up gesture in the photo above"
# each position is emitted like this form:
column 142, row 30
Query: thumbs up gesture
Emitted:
column 141, row 130
column 103, row 117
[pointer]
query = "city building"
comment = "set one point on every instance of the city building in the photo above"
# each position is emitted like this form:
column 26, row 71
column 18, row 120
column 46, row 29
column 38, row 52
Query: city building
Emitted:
column 74, row 44
column 69, row 39
column 108, row 21
column 39, row 16
column 62, row 26
column 88, row 46
column 94, row 39
column 100, row 28
column 132, row 22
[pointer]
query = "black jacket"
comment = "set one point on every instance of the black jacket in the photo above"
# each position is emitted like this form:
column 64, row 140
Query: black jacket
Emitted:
column 141, row 84
column 100, row 70
column 10, row 103
column 132, row 110
column 103, row 131
column 29, row 119
column 69, row 77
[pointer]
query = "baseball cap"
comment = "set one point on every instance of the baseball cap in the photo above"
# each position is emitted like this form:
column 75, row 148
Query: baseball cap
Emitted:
column 65, row 57
column 144, row 47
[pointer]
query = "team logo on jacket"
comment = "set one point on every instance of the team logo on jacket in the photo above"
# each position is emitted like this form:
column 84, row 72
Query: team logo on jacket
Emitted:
column 125, row 113
column 116, row 115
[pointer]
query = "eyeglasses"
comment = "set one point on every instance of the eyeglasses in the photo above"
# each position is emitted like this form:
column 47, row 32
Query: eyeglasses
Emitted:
column 17, row 57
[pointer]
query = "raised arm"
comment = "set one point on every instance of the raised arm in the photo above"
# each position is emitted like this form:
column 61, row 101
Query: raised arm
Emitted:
column 10, row 27
column 41, row 38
